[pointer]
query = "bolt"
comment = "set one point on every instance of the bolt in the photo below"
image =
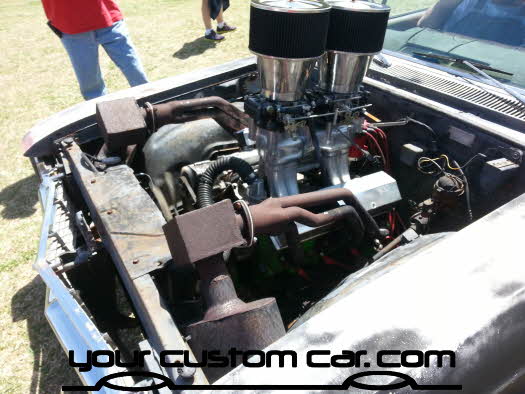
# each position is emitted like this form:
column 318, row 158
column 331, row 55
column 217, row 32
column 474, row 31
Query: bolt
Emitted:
column 68, row 141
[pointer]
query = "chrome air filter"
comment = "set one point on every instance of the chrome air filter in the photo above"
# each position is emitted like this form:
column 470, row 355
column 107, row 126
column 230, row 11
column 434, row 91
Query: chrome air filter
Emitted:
column 357, row 32
column 287, row 37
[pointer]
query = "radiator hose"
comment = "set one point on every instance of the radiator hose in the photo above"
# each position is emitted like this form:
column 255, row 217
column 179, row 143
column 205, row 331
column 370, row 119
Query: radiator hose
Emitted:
column 239, row 166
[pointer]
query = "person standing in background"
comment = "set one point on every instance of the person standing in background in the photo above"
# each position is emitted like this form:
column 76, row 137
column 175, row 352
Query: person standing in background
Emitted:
column 82, row 26
column 213, row 9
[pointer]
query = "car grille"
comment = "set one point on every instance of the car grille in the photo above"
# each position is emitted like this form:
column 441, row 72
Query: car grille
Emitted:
column 459, row 90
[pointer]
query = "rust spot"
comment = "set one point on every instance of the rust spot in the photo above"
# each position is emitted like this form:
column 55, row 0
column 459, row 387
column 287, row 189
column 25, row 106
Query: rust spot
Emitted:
column 93, row 181
column 135, row 261
column 109, row 212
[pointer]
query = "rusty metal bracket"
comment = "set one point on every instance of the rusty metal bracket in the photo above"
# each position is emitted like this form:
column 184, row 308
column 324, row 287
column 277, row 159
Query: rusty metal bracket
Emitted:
column 130, row 219
column 130, row 226
column 203, row 233
column 123, row 123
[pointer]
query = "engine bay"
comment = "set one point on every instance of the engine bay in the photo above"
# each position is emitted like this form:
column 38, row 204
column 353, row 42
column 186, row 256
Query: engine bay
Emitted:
column 274, row 186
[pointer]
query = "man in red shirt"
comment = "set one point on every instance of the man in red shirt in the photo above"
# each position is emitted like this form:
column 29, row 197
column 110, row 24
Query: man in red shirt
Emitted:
column 82, row 26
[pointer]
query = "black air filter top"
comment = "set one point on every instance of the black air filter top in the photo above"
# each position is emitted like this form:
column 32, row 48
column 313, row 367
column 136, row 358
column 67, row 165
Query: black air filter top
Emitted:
column 357, row 26
column 289, row 29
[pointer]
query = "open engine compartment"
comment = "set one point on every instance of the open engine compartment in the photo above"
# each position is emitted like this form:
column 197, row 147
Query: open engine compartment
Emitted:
column 270, row 188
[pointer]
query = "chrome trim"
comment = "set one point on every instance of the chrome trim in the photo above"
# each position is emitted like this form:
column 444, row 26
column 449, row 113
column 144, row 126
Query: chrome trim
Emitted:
column 72, row 326
column 284, row 79
column 343, row 72
column 375, row 7
column 353, row 53
column 321, row 6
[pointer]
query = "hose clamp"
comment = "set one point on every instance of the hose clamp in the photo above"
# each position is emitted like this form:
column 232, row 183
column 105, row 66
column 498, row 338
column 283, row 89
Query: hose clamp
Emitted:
column 248, row 220
column 151, row 111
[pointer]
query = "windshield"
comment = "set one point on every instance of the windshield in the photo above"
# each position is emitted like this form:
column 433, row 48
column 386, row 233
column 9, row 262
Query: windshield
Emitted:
column 489, row 32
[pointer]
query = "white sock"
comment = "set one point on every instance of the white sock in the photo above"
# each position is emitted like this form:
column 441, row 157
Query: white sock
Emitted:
column 221, row 25
column 208, row 31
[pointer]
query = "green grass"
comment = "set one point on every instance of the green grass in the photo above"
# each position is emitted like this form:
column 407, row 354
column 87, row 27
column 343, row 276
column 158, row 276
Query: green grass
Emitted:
column 24, row 257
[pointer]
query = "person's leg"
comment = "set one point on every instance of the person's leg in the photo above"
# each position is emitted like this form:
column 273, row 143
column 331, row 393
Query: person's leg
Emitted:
column 220, row 18
column 210, row 34
column 222, row 26
column 206, row 19
column 83, row 52
column 117, row 44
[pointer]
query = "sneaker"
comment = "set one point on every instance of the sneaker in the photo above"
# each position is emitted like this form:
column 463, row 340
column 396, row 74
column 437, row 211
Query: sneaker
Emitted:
column 214, row 36
column 226, row 28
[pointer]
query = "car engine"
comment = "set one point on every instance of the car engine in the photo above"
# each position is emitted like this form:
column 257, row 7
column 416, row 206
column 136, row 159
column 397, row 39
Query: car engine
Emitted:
column 273, row 194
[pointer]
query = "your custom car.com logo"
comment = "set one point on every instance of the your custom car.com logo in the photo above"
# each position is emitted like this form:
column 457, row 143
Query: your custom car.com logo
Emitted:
column 259, row 359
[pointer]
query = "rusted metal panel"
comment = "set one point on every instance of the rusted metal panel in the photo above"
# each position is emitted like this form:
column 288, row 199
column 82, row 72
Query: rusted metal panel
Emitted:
column 129, row 217
column 130, row 226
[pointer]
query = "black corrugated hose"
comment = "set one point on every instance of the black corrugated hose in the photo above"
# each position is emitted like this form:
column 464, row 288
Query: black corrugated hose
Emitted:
column 239, row 166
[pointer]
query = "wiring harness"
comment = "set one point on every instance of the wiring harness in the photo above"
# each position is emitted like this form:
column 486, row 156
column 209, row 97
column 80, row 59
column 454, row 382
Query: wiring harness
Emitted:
column 459, row 182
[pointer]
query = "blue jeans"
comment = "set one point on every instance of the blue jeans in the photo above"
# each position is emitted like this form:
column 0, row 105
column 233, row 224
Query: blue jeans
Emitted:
column 82, row 49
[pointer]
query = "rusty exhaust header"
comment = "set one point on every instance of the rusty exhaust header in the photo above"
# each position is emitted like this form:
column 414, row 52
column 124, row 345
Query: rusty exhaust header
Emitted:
column 272, row 215
column 123, row 123
column 227, row 115
column 206, row 232
column 200, row 237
